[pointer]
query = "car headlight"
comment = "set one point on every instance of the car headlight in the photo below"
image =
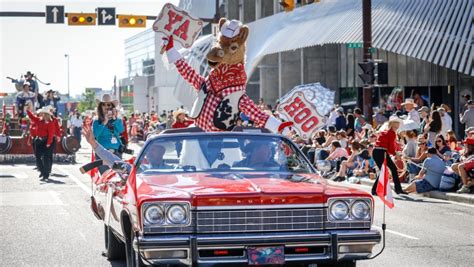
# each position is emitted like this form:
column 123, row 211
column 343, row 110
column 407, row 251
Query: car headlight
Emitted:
column 177, row 214
column 360, row 210
column 339, row 210
column 154, row 215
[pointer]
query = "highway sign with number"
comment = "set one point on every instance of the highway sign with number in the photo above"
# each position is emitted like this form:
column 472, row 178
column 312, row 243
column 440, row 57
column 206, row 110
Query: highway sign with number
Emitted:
column 55, row 14
column 106, row 15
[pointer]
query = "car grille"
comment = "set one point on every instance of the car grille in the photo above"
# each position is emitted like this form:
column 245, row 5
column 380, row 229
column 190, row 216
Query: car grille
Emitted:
column 259, row 220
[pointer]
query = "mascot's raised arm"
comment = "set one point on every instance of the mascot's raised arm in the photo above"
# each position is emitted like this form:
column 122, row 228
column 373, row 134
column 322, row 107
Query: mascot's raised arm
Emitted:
column 221, row 94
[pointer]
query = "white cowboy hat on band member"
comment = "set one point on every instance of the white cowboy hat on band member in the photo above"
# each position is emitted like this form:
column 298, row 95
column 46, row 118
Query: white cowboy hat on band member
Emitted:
column 409, row 101
column 44, row 110
column 106, row 98
column 395, row 118
column 176, row 113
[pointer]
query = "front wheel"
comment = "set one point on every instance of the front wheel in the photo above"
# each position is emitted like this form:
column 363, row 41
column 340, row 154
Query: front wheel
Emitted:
column 114, row 248
column 132, row 256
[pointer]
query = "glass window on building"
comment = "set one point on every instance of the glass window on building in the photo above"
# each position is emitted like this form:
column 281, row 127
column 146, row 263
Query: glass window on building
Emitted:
column 126, row 97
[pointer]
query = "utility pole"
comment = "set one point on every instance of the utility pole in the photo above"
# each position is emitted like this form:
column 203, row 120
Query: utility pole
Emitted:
column 68, row 92
column 367, row 39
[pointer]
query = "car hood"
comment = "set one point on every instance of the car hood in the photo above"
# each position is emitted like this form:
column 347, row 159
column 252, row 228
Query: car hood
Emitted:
column 216, row 189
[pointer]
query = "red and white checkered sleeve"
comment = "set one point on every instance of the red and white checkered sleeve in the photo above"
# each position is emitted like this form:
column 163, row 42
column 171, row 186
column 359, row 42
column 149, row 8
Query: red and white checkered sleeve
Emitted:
column 248, row 107
column 189, row 74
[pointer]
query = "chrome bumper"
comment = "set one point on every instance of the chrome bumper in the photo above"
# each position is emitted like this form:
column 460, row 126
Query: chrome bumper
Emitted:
column 186, row 249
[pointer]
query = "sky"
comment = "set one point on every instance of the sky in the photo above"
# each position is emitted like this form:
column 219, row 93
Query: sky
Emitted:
column 96, row 53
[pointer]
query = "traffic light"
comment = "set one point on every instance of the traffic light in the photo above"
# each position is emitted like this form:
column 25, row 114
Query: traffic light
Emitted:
column 81, row 19
column 382, row 72
column 131, row 21
column 368, row 75
column 288, row 5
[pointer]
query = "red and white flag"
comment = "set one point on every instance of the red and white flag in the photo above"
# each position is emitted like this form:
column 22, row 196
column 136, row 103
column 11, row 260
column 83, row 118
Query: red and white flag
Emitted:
column 383, row 186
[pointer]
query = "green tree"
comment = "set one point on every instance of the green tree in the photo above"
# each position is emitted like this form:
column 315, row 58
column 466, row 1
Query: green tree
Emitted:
column 87, row 102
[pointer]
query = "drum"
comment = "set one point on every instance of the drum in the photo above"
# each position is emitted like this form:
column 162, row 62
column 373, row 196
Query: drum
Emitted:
column 70, row 144
column 5, row 144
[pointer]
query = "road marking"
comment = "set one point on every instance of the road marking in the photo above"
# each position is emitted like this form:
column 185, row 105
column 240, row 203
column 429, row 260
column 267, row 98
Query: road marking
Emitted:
column 397, row 233
column 44, row 198
column 79, row 183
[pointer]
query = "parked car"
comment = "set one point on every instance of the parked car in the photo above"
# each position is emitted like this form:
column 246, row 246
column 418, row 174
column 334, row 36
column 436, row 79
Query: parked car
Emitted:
column 245, row 197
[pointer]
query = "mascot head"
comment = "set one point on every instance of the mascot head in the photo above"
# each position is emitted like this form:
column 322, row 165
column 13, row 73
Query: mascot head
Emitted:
column 230, row 48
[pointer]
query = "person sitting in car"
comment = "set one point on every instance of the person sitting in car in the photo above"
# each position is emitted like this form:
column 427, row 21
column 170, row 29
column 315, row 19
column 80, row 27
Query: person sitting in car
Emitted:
column 258, row 154
column 154, row 157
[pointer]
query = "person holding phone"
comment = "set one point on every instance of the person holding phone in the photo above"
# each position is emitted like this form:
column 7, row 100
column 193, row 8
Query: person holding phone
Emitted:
column 107, row 128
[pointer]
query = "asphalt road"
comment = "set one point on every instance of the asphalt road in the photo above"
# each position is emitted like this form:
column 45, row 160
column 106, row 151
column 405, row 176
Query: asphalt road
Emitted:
column 50, row 224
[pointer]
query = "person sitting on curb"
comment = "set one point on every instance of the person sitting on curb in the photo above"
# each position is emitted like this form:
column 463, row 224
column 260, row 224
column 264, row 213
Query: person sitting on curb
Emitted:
column 429, row 177
column 465, row 166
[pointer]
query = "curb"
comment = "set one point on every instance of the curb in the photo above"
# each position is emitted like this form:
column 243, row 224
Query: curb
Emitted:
column 455, row 197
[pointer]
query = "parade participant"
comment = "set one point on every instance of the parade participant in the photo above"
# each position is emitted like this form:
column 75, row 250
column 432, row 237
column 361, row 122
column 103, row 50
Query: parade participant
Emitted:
column 107, row 128
column 43, row 141
column 31, row 79
column 52, row 99
column 221, row 94
column 180, row 119
column 75, row 123
column 24, row 98
column 384, row 147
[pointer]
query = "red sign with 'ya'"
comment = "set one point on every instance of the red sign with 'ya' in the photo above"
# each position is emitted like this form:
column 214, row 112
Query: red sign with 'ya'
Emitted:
column 302, row 113
column 176, row 22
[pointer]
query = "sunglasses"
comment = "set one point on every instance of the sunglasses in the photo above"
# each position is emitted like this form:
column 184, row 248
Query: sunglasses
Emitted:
column 439, row 141
column 108, row 105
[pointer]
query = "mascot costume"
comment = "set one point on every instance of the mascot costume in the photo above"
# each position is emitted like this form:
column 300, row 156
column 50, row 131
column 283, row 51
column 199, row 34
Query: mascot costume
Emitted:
column 221, row 95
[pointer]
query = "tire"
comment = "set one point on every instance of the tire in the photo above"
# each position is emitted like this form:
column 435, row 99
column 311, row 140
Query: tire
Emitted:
column 339, row 264
column 132, row 257
column 114, row 248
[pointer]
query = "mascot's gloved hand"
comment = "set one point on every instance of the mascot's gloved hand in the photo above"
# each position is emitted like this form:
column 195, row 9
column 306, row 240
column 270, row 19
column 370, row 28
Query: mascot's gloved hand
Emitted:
column 285, row 128
column 277, row 126
column 171, row 53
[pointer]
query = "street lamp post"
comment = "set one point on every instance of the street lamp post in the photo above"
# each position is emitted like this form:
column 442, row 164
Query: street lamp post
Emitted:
column 68, row 92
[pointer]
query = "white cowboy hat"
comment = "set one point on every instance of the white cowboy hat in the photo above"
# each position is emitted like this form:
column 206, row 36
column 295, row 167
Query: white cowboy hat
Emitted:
column 176, row 113
column 409, row 101
column 44, row 110
column 231, row 28
column 409, row 125
column 395, row 118
column 51, row 108
column 106, row 98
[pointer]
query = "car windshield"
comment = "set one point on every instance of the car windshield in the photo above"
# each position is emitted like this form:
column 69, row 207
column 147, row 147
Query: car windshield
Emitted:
column 216, row 153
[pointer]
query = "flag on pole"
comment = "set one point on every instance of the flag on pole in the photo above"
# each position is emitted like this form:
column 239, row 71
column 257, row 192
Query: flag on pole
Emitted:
column 383, row 186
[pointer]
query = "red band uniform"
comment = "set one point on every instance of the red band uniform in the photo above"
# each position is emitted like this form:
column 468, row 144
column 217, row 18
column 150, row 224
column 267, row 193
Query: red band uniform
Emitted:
column 384, row 147
column 43, row 141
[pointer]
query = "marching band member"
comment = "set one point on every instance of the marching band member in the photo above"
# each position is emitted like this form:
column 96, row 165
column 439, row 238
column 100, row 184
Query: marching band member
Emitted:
column 384, row 147
column 43, row 141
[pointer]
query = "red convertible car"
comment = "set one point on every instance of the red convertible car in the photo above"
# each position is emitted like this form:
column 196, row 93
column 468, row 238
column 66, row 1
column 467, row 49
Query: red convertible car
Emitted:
column 230, row 198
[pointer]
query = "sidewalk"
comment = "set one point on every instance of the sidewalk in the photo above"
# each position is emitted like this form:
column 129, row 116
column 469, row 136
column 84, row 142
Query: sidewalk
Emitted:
column 461, row 198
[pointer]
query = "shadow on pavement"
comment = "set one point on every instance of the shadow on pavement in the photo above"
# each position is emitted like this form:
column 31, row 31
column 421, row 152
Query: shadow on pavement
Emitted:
column 58, row 175
column 52, row 181
column 419, row 200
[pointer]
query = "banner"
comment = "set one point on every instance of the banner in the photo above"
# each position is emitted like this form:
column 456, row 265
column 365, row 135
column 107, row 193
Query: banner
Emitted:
column 305, row 105
column 176, row 22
